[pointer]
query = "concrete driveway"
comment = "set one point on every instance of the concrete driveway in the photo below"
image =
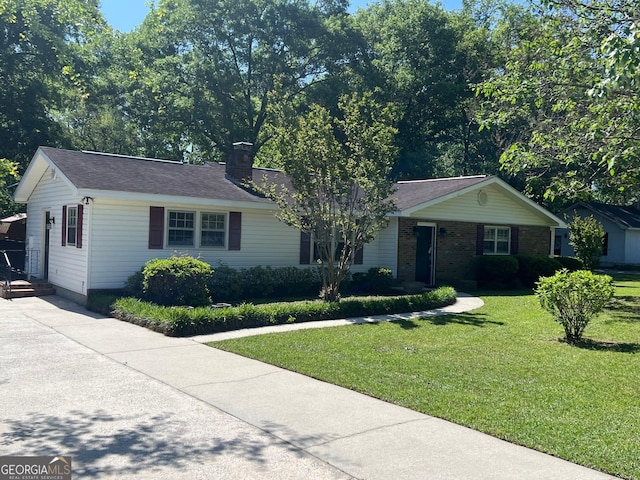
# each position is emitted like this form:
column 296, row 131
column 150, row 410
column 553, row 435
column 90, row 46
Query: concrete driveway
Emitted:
column 128, row 403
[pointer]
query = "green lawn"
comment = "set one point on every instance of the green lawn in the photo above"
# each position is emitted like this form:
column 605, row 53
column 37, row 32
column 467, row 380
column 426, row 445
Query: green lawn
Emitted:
column 499, row 369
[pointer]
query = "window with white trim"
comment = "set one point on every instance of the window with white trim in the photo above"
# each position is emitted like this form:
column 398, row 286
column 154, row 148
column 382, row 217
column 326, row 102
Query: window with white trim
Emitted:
column 213, row 232
column 181, row 229
column 496, row 241
column 72, row 225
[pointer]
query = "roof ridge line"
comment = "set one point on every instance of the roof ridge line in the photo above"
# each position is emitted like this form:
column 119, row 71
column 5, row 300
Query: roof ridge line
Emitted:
column 444, row 178
column 179, row 162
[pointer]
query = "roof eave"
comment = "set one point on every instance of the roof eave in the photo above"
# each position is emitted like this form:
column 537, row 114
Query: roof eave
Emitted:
column 97, row 195
column 34, row 172
column 485, row 183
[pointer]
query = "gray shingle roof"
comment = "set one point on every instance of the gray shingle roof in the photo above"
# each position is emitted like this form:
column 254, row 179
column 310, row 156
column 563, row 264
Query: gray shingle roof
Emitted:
column 99, row 171
column 416, row 192
column 626, row 217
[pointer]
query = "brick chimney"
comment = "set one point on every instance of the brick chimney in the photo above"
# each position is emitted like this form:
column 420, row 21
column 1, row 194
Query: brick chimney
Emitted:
column 239, row 166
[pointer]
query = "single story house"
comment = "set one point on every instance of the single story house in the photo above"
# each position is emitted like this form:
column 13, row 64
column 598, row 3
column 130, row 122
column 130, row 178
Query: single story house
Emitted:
column 94, row 219
column 621, row 225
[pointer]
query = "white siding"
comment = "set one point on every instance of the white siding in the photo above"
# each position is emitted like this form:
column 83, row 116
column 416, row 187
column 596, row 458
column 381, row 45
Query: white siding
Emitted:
column 383, row 251
column 119, row 236
column 67, row 265
column 500, row 208
column 632, row 247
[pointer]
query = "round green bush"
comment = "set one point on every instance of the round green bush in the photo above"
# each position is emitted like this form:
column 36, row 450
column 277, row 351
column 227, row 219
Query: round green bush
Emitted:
column 177, row 281
column 570, row 263
column 574, row 298
column 532, row 267
column 496, row 271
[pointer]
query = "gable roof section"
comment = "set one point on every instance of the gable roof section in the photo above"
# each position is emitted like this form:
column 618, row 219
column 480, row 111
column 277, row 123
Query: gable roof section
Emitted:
column 93, row 174
column 625, row 217
column 87, row 172
column 412, row 196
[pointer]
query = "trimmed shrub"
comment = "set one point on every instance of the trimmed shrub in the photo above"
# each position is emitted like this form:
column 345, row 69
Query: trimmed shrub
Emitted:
column 570, row 263
column 376, row 280
column 225, row 284
column 177, row 281
column 228, row 284
column 532, row 267
column 179, row 321
column 134, row 286
column 574, row 298
column 496, row 271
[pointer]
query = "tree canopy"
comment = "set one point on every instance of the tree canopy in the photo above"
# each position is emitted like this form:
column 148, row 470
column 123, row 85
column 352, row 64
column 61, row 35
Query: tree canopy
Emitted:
column 543, row 94
column 568, row 95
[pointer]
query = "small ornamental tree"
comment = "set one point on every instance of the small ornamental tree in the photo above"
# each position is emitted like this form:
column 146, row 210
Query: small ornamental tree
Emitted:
column 340, row 173
column 574, row 298
column 586, row 236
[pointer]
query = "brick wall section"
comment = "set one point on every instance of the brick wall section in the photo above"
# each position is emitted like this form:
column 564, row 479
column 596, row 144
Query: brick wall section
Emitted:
column 535, row 240
column 406, row 249
column 456, row 249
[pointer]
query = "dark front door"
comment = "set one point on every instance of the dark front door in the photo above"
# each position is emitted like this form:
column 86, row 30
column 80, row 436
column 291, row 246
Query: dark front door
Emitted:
column 424, row 254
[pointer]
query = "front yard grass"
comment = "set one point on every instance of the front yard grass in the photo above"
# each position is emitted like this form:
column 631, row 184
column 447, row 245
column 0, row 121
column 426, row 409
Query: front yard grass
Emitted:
column 500, row 369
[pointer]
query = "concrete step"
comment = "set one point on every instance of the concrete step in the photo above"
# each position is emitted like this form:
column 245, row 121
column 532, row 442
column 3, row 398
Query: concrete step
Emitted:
column 25, row 288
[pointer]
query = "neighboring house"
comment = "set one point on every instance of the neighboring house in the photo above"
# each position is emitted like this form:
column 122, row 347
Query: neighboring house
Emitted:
column 12, row 238
column 14, row 227
column 621, row 225
column 94, row 219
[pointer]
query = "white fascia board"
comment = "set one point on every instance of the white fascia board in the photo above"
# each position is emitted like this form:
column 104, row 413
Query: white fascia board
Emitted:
column 409, row 211
column 173, row 199
column 31, row 177
column 519, row 197
column 559, row 223
column 36, row 169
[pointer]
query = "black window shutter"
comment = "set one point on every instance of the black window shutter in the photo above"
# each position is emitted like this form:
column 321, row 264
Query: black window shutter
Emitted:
column 79, row 225
column 358, row 256
column 305, row 248
column 156, row 227
column 64, row 225
column 515, row 238
column 480, row 239
column 235, row 230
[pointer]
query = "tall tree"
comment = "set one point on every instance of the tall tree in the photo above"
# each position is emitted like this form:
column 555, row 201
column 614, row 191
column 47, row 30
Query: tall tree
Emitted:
column 199, row 74
column 339, row 170
column 8, row 178
column 570, row 90
column 425, row 59
column 38, row 59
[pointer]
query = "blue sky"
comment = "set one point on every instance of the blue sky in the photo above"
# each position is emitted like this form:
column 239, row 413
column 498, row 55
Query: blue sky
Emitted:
column 125, row 15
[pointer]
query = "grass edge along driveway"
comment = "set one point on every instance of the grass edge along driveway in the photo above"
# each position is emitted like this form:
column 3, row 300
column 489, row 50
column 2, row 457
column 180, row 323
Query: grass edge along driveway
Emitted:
column 500, row 369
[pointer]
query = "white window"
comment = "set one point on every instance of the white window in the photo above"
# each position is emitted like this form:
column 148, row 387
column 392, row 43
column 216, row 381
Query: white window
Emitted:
column 497, row 240
column 213, row 230
column 72, row 225
column 181, row 229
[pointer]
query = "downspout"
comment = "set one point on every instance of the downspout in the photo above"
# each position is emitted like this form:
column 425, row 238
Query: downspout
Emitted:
column 89, row 205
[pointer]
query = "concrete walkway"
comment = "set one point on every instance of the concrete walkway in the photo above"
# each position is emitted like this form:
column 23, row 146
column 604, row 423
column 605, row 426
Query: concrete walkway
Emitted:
column 129, row 403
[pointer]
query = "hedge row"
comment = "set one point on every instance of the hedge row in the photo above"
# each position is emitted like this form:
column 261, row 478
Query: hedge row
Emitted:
column 184, row 321
column 503, row 272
